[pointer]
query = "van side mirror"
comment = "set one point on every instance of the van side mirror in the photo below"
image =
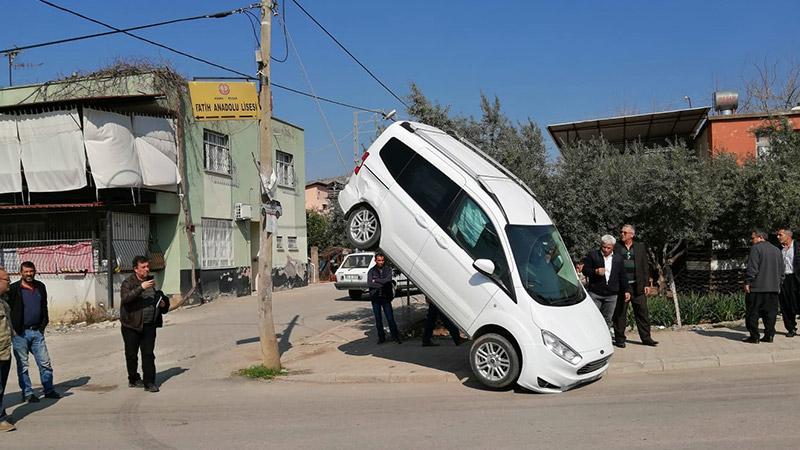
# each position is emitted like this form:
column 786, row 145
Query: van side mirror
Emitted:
column 484, row 266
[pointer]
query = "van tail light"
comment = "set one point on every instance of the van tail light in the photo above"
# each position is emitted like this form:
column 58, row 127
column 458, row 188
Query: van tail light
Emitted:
column 363, row 158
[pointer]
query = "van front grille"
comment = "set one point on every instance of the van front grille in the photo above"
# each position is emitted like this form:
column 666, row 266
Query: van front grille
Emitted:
column 594, row 365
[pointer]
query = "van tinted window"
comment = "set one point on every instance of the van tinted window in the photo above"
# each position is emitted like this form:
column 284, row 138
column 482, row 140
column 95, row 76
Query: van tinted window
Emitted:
column 395, row 156
column 431, row 189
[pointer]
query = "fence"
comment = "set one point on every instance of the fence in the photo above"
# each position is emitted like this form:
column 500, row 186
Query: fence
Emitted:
column 52, row 256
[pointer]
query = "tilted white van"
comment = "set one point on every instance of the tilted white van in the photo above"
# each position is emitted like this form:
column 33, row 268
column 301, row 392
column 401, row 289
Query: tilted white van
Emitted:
column 472, row 237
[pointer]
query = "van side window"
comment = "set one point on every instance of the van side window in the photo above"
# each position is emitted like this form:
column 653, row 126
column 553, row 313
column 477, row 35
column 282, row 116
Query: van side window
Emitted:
column 472, row 230
column 431, row 189
column 395, row 156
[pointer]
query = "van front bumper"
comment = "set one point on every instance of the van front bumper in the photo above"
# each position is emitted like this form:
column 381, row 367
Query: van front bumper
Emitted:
column 547, row 373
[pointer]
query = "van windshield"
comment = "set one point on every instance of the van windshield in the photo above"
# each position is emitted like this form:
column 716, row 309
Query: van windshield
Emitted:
column 544, row 265
column 357, row 262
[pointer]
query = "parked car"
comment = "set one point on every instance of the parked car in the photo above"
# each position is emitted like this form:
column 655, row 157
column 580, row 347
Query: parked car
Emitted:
column 352, row 275
column 472, row 237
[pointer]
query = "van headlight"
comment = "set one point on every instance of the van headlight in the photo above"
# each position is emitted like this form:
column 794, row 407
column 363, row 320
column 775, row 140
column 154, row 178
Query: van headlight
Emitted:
column 560, row 348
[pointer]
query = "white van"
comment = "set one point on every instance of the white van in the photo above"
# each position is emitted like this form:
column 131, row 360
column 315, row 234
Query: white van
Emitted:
column 472, row 237
column 351, row 276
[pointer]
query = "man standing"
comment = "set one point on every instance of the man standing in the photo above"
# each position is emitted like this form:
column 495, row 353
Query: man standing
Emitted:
column 765, row 272
column 637, row 272
column 6, row 333
column 606, row 278
column 140, row 313
column 29, row 317
column 430, row 323
column 379, row 282
column 790, row 288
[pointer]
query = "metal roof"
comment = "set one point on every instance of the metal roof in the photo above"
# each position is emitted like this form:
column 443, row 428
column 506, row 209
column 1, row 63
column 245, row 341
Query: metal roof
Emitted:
column 651, row 128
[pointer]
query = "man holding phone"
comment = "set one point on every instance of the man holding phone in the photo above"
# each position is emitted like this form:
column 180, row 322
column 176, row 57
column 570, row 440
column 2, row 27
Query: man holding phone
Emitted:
column 140, row 314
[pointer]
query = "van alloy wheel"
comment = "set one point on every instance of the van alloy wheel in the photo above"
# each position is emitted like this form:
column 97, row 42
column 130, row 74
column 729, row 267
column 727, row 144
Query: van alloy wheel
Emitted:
column 495, row 361
column 363, row 228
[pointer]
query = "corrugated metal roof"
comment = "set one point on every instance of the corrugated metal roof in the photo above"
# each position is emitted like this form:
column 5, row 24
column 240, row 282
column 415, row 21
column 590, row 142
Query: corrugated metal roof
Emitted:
column 56, row 205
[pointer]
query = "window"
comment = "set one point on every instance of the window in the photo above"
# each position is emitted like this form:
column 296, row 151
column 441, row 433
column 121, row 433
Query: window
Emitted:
column 217, row 243
column 432, row 190
column 396, row 155
column 291, row 242
column 278, row 242
column 284, row 168
column 473, row 231
column 217, row 153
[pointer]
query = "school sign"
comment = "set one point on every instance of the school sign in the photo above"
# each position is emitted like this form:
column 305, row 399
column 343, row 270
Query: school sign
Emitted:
column 223, row 101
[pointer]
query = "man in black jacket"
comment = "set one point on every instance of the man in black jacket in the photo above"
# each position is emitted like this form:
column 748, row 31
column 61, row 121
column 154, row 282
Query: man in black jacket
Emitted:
column 790, row 288
column 140, row 313
column 379, row 282
column 606, row 278
column 765, row 273
column 637, row 271
column 27, row 299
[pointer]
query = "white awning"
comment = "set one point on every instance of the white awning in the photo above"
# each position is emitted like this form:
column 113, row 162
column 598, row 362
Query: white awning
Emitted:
column 52, row 151
column 109, row 146
column 10, row 169
column 156, row 150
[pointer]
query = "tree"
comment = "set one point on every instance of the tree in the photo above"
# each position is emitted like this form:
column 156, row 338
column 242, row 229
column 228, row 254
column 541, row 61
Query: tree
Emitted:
column 317, row 225
column 775, row 87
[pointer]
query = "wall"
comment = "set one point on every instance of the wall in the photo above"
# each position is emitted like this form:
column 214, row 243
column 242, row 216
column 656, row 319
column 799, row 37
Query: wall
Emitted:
column 737, row 136
column 317, row 198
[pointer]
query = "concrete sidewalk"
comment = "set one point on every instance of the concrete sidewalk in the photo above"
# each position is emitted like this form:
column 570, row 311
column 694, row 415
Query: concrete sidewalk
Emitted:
column 349, row 353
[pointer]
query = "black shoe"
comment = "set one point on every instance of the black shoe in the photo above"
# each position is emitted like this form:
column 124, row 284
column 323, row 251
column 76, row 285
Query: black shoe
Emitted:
column 791, row 334
column 751, row 340
column 650, row 343
column 620, row 344
column 136, row 384
column 381, row 340
column 430, row 344
column 52, row 395
column 31, row 398
column 766, row 339
column 151, row 388
column 397, row 339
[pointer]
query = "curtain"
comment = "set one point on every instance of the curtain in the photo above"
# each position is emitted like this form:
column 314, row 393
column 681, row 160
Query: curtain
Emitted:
column 154, row 140
column 110, row 148
column 52, row 151
column 10, row 170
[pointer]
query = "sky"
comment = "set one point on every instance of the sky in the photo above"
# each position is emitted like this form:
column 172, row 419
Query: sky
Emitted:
column 550, row 61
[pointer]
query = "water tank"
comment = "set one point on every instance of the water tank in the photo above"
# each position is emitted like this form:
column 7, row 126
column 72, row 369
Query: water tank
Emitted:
column 725, row 102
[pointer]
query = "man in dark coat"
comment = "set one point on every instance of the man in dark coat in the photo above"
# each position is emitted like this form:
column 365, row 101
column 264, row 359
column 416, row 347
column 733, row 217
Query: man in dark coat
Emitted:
column 27, row 299
column 140, row 315
column 790, row 288
column 606, row 278
column 637, row 271
column 381, row 293
column 765, row 273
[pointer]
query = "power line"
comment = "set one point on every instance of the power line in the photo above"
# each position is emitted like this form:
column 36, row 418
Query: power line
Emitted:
column 205, row 61
column 218, row 15
column 350, row 54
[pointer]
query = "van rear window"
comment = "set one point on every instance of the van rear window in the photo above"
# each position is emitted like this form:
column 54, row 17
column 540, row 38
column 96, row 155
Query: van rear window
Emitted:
column 395, row 156
column 357, row 262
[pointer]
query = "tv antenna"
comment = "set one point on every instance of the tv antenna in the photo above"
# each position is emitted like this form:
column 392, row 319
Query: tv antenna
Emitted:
column 11, row 55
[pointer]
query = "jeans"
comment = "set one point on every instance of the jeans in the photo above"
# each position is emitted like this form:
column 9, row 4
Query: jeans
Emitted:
column 387, row 310
column 144, row 341
column 32, row 342
column 5, row 367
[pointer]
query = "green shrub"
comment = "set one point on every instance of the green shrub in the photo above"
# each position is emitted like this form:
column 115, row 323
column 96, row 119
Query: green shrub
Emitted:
column 695, row 309
column 260, row 372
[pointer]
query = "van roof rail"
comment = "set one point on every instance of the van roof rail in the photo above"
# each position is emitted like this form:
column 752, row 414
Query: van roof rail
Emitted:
column 408, row 126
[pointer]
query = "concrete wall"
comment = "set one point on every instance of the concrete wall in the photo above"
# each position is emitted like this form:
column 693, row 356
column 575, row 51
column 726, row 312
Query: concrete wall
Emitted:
column 737, row 135
column 317, row 198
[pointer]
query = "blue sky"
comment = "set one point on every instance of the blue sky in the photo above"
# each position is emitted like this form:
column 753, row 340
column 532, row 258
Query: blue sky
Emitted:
column 554, row 61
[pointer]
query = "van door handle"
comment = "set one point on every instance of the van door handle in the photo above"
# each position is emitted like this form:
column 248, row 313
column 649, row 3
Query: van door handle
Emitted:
column 421, row 220
column 441, row 240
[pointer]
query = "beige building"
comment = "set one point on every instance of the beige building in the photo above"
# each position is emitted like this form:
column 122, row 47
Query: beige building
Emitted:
column 319, row 194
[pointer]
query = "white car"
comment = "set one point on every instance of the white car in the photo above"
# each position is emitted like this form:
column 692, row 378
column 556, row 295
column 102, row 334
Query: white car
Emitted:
column 472, row 237
column 352, row 275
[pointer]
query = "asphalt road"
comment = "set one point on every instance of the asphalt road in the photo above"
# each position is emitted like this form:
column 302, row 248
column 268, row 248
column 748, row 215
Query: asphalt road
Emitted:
column 202, row 407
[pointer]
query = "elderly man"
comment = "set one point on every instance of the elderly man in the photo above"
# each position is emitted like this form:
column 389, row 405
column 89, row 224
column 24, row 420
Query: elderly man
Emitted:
column 6, row 333
column 765, row 272
column 606, row 278
column 637, row 271
column 790, row 288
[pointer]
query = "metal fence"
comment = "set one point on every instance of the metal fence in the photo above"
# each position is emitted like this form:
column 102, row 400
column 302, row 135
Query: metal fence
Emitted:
column 52, row 256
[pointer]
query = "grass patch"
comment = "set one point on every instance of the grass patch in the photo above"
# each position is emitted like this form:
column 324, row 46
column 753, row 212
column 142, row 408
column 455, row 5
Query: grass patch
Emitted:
column 259, row 372
column 696, row 308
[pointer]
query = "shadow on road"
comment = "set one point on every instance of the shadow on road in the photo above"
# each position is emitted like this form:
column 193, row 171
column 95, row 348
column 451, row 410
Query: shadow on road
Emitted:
column 351, row 316
column 735, row 334
column 63, row 388
column 283, row 338
column 163, row 376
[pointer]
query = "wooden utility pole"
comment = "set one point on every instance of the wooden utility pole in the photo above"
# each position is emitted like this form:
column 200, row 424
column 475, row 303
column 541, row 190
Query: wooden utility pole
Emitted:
column 269, row 345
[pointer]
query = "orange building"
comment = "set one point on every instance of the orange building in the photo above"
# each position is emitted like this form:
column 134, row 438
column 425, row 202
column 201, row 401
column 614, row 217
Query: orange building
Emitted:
column 737, row 134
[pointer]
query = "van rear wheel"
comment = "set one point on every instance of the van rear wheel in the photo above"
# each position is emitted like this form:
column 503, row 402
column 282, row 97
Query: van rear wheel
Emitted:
column 363, row 228
column 355, row 294
column 494, row 361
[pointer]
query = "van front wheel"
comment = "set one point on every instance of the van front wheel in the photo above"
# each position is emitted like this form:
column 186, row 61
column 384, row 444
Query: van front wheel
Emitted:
column 494, row 361
column 363, row 228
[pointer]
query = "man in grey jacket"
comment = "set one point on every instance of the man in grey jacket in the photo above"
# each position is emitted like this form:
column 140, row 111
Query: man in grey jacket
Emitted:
column 765, row 273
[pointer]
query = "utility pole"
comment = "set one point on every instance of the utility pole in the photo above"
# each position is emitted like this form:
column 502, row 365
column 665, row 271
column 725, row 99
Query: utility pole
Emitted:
column 355, row 138
column 269, row 345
